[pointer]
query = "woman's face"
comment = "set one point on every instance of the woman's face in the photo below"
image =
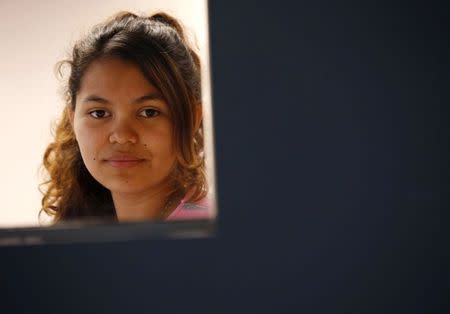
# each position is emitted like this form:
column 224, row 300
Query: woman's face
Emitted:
column 123, row 128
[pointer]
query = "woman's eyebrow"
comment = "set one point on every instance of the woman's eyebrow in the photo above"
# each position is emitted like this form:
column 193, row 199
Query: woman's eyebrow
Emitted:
column 96, row 98
column 151, row 96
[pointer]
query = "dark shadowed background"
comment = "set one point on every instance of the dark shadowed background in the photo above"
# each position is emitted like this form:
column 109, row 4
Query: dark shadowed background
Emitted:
column 331, row 131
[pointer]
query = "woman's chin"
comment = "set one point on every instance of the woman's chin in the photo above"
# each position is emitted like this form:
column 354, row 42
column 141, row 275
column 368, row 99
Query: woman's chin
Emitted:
column 131, row 188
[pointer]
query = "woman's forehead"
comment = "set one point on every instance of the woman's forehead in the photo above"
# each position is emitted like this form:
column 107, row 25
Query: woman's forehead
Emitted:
column 115, row 75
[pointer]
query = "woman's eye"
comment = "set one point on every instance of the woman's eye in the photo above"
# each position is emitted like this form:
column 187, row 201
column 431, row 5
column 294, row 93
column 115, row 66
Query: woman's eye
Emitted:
column 99, row 114
column 149, row 113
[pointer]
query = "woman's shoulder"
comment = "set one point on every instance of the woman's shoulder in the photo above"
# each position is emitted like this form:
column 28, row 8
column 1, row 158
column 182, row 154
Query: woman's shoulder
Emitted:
column 201, row 209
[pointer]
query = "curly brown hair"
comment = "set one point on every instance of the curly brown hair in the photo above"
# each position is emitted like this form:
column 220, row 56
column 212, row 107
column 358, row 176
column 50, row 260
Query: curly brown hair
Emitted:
column 158, row 46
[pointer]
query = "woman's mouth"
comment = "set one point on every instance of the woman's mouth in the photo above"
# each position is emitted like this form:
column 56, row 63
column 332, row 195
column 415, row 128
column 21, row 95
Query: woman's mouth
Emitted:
column 124, row 161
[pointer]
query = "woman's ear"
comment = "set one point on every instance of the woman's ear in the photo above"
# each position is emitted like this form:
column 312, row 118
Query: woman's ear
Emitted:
column 198, row 116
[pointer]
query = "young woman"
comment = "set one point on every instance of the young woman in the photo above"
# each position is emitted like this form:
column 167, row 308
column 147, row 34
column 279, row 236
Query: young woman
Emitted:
column 129, row 145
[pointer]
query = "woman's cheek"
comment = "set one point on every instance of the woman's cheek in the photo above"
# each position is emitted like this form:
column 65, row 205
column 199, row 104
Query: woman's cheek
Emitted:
column 89, row 141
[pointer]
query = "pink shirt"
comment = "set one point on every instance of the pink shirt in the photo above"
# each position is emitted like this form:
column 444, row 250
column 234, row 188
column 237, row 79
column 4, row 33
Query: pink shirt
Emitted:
column 187, row 210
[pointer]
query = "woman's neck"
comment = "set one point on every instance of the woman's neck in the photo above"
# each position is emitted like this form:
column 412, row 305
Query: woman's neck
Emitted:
column 139, row 206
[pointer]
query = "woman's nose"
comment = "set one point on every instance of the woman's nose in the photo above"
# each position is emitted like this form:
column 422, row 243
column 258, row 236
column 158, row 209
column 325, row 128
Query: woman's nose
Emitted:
column 123, row 132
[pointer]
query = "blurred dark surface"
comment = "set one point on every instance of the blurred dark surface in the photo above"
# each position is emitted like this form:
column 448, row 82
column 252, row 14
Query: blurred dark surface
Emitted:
column 331, row 125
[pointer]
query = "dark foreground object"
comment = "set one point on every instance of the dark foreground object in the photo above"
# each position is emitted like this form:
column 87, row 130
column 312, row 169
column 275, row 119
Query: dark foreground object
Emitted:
column 331, row 125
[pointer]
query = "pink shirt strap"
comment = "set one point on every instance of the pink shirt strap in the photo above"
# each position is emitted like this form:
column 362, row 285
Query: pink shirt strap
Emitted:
column 191, row 210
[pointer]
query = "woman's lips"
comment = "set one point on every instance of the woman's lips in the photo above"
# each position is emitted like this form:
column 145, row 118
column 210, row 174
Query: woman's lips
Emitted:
column 124, row 161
